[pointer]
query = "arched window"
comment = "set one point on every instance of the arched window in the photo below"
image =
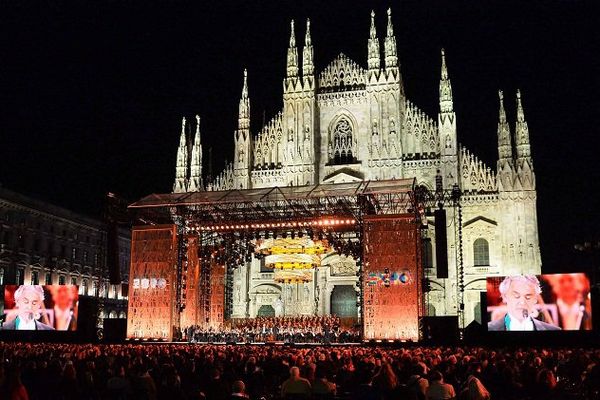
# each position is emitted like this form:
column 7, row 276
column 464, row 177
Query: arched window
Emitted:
column 481, row 253
column 342, row 142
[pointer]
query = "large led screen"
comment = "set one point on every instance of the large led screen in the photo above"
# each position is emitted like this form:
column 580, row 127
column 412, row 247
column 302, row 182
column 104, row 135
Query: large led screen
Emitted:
column 539, row 303
column 40, row 308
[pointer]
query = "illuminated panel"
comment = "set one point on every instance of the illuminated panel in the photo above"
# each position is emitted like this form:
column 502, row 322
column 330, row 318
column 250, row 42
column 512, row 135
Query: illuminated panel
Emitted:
column 152, row 280
column 217, row 296
column 191, row 313
column 390, row 278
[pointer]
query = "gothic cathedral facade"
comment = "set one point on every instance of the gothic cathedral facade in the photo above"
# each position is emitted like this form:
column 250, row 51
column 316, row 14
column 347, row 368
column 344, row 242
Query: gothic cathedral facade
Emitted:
column 349, row 123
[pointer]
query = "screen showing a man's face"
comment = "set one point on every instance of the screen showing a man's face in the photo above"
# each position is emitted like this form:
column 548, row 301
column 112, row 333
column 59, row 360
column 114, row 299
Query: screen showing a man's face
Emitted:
column 520, row 299
column 29, row 305
column 539, row 302
column 40, row 308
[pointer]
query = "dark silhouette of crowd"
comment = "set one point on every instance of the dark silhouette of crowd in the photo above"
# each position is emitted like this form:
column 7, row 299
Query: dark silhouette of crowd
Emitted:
column 302, row 329
column 197, row 371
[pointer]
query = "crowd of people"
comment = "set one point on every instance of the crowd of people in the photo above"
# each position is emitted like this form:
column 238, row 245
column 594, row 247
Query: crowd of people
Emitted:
column 208, row 371
column 302, row 329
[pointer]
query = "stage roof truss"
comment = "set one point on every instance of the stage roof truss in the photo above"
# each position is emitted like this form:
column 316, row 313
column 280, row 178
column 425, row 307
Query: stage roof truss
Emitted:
column 245, row 206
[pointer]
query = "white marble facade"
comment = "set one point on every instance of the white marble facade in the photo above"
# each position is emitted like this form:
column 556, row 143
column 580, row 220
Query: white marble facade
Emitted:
column 253, row 289
column 351, row 123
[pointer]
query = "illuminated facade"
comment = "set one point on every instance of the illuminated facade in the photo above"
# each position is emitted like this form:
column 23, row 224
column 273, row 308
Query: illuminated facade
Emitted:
column 48, row 245
column 349, row 123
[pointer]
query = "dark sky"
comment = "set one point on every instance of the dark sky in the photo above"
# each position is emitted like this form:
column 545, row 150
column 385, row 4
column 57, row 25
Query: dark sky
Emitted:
column 92, row 93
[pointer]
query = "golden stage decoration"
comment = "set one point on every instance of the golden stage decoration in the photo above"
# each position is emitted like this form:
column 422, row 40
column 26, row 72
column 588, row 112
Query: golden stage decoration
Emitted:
column 303, row 245
column 293, row 276
column 292, row 253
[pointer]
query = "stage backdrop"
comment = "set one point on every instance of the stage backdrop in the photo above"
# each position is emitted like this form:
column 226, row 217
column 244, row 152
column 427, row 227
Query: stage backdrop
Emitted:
column 152, row 282
column 191, row 314
column 391, row 278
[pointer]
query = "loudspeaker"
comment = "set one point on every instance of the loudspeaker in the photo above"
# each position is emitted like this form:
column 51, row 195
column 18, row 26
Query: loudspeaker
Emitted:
column 114, row 270
column 440, row 330
column 87, row 317
column 441, row 244
column 115, row 330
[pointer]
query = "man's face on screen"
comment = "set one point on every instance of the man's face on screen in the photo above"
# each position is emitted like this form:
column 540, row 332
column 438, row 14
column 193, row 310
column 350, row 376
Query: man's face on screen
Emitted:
column 520, row 299
column 29, row 305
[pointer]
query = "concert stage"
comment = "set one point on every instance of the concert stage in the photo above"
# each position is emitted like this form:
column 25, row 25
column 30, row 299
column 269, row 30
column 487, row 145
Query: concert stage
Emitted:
column 210, row 259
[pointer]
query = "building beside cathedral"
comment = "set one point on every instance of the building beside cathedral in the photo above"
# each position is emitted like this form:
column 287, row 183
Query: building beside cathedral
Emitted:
column 349, row 123
column 43, row 244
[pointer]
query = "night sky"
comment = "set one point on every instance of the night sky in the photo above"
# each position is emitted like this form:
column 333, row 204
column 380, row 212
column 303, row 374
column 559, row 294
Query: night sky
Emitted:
column 92, row 93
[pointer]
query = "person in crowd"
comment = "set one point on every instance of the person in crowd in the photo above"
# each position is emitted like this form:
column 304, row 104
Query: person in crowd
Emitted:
column 474, row 390
column 239, row 391
column 13, row 388
column 295, row 385
column 29, row 303
column 322, row 388
column 520, row 294
column 438, row 390
column 417, row 383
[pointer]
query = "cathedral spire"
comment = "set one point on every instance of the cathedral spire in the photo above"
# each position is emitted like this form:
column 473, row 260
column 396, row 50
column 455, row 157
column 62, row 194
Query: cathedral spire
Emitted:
column 244, row 109
column 292, row 55
column 446, row 105
column 241, row 160
column 195, row 183
column 374, row 58
column 524, row 162
column 307, row 54
column 504, row 142
column 391, row 53
column 522, row 132
column 180, row 184
column 505, row 167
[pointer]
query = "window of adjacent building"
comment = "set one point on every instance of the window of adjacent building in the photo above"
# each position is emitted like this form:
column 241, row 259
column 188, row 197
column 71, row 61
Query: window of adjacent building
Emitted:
column 73, row 253
column 95, row 288
column 21, row 241
column 481, row 252
column 6, row 237
column 427, row 253
column 61, row 279
column 85, row 256
column 84, row 287
column 1, row 276
column 35, row 278
column 48, row 278
column 20, row 276
column 96, row 257
column 36, row 244
column 63, row 251
column 73, row 281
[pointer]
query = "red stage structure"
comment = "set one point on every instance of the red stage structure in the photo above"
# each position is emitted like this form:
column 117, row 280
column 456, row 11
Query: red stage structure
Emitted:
column 179, row 271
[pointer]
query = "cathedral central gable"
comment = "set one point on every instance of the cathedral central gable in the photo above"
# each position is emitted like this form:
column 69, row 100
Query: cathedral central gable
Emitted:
column 342, row 74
